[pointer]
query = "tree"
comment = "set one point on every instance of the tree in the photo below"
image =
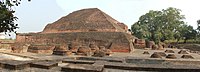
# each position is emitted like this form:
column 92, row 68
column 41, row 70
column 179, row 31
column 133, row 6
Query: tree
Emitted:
column 198, row 31
column 187, row 32
column 198, row 25
column 158, row 25
column 7, row 18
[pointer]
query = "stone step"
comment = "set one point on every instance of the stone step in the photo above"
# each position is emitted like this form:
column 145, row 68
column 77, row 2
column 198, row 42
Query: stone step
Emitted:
column 82, row 68
column 109, row 59
column 77, row 61
column 150, row 67
column 15, row 65
column 44, row 64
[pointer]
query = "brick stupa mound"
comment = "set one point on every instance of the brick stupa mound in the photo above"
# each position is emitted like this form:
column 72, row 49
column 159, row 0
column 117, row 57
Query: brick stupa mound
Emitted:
column 83, row 27
column 61, row 50
column 161, row 53
column 155, row 55
column 187, row 57
column 169, row 51
column 158, row 55
column 183, row 52
column 171, row 56
column 86, row 20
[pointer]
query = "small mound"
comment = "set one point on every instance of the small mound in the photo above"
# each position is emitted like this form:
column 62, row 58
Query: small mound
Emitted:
column 197, row 52
column 156, row 55
column 161, row 53
column 145, row 52
column 187, row 57
column 60, row 48
column 99, row 54
column 169, row 51
column 171, row 56
column 183, row 52
column 84, row 50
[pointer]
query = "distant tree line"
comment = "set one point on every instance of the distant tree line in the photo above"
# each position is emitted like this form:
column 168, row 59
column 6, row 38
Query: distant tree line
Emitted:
column 168, row 24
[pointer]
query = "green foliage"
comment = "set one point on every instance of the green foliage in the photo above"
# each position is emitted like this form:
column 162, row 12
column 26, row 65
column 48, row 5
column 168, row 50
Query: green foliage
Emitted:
column 198, row 29
column 187, row 32
column 7, row 18
column 159, row 25
column 198, row 25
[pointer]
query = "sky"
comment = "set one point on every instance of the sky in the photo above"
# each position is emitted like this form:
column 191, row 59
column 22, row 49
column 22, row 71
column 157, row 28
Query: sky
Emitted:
column 35, row 15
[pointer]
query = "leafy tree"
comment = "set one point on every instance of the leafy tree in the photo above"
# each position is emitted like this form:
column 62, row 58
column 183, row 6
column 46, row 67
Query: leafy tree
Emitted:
column 198, row 25
column 187, row 32
column 198, row 30
column 171, row 21
column 158, row 25
column 7, row 18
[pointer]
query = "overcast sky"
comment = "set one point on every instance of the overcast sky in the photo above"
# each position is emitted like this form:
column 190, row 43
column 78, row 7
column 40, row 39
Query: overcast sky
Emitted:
column 35, row 15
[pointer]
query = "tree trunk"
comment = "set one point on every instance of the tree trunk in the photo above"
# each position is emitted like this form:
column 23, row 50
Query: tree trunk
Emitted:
column 185, row 40
column 177, row 40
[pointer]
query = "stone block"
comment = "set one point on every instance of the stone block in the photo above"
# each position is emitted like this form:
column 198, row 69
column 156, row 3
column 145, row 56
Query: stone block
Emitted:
column 82, row 68
column 109, row 59
column 15, row 65
column 152, row 67
column 132, row 60
column 44, row 64
column 78, row 61
column 63, row 53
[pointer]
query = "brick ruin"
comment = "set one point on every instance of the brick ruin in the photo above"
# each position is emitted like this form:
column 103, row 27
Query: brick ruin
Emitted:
column 80, row 28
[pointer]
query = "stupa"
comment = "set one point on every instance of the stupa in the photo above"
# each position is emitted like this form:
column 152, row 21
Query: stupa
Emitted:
column 84, row 26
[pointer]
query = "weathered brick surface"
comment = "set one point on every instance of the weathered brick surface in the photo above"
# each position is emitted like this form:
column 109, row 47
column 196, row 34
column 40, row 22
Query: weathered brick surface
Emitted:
column 115, row 41
column 86, row 20
column 139, row 43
